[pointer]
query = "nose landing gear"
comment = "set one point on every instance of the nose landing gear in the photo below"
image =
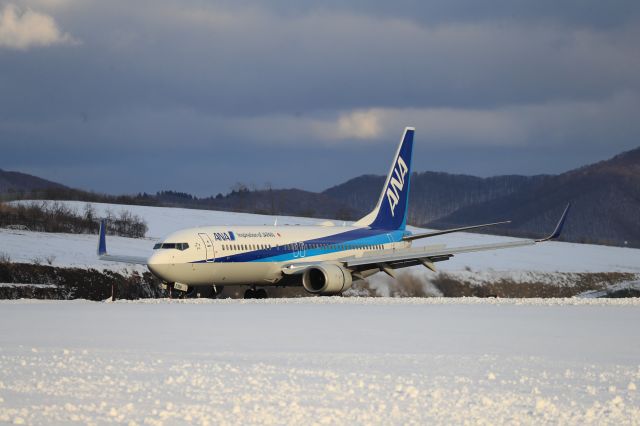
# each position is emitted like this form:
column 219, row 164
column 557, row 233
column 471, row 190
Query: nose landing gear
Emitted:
column 253, row 293
column 183, row 291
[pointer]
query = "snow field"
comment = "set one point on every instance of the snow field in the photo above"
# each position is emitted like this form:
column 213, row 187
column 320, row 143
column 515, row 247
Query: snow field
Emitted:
column 320, row 361
column 97, row 387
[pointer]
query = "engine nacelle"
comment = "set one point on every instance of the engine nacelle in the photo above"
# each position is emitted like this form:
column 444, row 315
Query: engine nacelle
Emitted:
column 326, row 279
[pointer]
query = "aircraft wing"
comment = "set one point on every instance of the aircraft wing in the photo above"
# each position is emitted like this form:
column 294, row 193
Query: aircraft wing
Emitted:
column 402, row 258
column 388, row 260
column 399, row 258
column 450, row 231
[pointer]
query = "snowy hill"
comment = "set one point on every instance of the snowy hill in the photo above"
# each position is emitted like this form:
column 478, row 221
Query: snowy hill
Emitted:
column 79, row 250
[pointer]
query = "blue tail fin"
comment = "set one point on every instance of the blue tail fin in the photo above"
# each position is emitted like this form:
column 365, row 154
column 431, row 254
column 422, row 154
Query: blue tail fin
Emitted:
column 391, row 211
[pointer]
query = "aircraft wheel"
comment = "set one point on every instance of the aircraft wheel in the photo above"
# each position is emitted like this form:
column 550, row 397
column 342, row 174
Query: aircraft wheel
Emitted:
column 261, row 294
column 249, row 294
column 217, row 290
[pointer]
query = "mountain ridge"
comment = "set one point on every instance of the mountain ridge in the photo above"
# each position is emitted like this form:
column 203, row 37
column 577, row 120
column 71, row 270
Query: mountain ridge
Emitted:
column 605, row 197
column 17, row 181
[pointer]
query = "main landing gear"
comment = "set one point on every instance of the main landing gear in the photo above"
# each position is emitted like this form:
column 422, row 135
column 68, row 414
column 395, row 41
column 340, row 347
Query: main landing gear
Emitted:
column 253, row 293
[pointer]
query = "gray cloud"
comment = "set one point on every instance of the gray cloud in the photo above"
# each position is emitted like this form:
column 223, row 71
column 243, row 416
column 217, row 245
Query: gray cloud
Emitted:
column 23, row 29
column 201, row 81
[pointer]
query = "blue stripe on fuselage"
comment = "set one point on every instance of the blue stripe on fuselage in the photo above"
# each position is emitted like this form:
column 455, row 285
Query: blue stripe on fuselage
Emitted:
column 329, row 244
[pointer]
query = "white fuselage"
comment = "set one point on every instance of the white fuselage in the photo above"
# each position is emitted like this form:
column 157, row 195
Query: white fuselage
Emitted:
column 255, row 255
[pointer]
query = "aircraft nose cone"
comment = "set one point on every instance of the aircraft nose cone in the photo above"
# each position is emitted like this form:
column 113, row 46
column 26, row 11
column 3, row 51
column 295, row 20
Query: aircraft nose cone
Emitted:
column 158, row 267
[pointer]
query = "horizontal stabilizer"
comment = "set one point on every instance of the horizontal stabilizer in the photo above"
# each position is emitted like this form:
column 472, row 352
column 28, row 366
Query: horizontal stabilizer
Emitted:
column 102, row 250
column 102, row 239
column 135, row 260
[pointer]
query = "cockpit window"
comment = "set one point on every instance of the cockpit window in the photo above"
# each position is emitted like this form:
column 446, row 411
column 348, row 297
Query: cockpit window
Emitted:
column 179, row 246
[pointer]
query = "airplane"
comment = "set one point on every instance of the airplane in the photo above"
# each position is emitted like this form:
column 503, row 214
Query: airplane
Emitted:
column 324, row 259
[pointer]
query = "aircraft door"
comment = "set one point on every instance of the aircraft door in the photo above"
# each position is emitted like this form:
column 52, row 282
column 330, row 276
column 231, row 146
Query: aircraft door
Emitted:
column 208, row 245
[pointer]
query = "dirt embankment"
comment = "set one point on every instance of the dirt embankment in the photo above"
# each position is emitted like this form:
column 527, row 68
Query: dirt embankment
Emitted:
column 21, row 280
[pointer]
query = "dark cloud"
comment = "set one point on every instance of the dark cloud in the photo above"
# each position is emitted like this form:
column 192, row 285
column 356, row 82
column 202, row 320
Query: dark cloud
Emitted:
column 198, row 95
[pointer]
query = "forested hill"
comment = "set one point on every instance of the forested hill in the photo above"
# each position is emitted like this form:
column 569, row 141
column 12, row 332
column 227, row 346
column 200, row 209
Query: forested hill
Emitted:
column 605, row 197
column 433, row 195
column 605, row 201
column 21, row 182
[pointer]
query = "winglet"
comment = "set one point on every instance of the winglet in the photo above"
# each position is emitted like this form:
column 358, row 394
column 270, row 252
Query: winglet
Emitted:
column 102, row 241
column 559, row 226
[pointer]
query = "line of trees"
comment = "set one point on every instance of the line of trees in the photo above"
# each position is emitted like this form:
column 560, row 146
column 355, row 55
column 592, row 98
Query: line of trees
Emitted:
column 58, row 217
column 241, row 198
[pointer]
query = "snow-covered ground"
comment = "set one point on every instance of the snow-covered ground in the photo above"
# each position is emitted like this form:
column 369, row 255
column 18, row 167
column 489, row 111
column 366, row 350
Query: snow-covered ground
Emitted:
column 321, row 361
column 79, row 250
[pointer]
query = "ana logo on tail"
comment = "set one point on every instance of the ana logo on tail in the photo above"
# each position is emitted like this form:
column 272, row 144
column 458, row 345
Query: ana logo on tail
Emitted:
column 396, row 184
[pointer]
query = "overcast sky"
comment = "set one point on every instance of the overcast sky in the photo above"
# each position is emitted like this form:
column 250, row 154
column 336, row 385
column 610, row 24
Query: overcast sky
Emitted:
column 128, row 96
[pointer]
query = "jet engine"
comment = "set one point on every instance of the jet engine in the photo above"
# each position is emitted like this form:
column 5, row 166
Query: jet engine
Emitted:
column 326, row 279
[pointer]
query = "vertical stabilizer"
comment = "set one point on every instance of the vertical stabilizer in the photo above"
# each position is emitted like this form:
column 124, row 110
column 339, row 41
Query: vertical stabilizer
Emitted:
column 391, row 210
